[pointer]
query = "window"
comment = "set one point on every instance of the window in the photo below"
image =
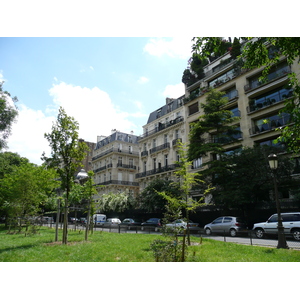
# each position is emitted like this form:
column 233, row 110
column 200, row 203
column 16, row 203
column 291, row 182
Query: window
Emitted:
column 154, row 163
column 120, row 176
column 227, row 220
column 235, row 111
column 120, row 160
column 269, row 98
column 165, row 138
column 158, row 113
column 166, row 160
column 154, row 143
column 194, row 108
column 197, row 163
column 273, row 219
column 130, row 177
column 176, row 134
column 130, row 149
column 219, row 220
column 130, row 162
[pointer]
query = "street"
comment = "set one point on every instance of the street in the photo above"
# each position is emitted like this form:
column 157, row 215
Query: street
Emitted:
column 245, row 240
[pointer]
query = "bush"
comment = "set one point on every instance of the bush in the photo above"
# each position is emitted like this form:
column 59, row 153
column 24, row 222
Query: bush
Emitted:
column 168, row 251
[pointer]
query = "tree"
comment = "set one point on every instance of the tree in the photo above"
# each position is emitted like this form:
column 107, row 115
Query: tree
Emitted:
column 117, row 202
column 215, row 120
column 8, row 114
column 151, row 201
column 187, row 181
column 25, row 190
column 244, row 181
column 266, row 52
column 67, row 154
column 10, row 160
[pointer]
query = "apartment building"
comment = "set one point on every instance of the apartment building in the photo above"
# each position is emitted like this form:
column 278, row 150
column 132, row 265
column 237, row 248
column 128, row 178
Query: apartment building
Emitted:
column 87, row 162
column 159, row 141
column 115, row 163
column 257, row 104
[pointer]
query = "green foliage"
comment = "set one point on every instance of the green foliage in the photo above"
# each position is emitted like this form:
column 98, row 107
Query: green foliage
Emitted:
column 26, row 190
column 115, row 202
column 8, row 114
column 214, row 119
column 235, row 50
column 8, row 161
column 168, row 250
column 152, row 201
column 187, row 181
column 243, row 180
column 67, row 154
column 210, row 47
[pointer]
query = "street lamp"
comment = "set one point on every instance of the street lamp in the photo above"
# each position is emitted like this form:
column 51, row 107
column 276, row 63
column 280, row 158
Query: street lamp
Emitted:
column 273, row 163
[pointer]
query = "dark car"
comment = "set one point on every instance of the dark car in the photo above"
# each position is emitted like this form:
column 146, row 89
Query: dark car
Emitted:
column 152, row 222
column 131, row 222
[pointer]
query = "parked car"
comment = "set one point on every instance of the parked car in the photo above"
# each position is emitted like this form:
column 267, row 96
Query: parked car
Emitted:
column 73, row 220
column 111, row 221
column 152, row 222
column 290, row 222
column 180, row 223
column 130, row 222
column 99, row 219
column 226, row 224
column 47, row 220
column 83, row 221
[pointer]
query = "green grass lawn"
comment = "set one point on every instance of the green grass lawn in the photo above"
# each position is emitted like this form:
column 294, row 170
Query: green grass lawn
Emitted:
column 125, row 247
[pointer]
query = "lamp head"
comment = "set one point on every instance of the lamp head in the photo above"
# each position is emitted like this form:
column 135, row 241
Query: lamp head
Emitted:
column 273, row 161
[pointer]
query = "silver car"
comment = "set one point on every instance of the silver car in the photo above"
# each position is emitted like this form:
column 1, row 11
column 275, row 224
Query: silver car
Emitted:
column 226, row 225
column 290, row 222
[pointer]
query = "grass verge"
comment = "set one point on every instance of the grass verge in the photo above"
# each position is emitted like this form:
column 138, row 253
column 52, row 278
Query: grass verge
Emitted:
column 125, row 247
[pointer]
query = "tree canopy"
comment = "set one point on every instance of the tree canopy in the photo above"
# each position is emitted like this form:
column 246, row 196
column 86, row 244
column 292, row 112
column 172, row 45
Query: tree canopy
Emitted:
column 151, row 201
column 67, row 154
column 216, row 120
column 26, row 189
column 8, row 114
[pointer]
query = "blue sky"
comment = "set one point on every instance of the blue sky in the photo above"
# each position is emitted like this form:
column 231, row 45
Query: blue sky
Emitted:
column 105, row 83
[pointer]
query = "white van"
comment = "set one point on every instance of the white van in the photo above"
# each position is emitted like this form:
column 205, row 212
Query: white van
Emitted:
column 99, row 219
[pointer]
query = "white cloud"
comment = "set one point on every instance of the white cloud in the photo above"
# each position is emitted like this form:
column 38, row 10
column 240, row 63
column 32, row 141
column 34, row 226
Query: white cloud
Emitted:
column 91, row 108
column 174, row 91
column 143, row 80
column 27, row 137
column 179, row 47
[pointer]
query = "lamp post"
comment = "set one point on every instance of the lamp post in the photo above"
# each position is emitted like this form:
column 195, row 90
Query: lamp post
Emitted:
column 82, row 176
column 273, row 163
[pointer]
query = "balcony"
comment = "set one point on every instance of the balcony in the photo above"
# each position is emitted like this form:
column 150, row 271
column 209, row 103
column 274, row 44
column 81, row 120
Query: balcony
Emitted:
column 176, row 142
column 100, row 169
column 162, row 127
column 144, row 153
column 226, row 139
column 270, row 77
column 115, row 150
column 231, row 95
column 274, row 123
column 269, row 100
column 121, row 165
column 156, row 171
column 118, row 182
column 159, row 148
